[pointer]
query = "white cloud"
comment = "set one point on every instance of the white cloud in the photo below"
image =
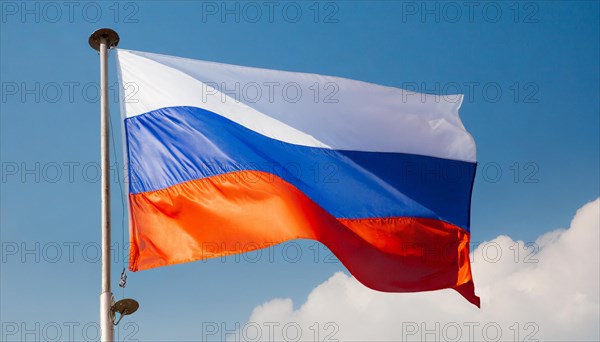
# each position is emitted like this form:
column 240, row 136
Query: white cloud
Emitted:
column 550, row 295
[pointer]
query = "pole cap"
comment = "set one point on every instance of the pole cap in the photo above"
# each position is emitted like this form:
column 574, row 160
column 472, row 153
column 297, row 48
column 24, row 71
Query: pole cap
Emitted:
column 111, row 36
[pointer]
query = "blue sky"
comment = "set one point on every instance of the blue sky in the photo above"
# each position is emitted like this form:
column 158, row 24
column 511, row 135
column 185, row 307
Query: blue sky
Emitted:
column 529, row 70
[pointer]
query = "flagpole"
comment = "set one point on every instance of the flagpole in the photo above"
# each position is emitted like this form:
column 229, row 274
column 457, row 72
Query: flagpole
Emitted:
column 102, row 40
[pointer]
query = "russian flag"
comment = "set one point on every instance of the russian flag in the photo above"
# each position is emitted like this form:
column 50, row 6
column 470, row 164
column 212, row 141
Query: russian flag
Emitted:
column 226, row 159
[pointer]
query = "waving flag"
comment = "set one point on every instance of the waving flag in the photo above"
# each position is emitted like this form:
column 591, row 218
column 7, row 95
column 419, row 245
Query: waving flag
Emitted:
column 225, row 159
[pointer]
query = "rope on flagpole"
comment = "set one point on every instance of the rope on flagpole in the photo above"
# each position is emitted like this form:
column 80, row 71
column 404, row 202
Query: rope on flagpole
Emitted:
column 123, row 280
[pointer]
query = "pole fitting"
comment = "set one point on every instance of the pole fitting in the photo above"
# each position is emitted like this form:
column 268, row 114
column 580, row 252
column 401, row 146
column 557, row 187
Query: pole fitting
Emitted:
column 111, row 36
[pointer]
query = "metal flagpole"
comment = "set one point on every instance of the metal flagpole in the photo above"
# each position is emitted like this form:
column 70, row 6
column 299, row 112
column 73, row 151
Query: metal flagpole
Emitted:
column 102, row 40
